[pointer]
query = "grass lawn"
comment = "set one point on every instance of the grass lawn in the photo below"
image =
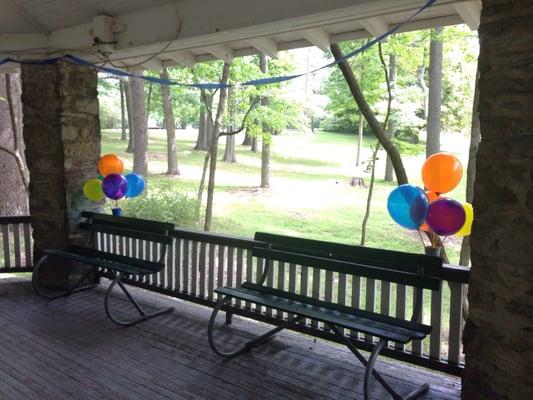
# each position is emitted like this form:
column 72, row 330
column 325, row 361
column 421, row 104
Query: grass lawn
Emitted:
column 310, row 194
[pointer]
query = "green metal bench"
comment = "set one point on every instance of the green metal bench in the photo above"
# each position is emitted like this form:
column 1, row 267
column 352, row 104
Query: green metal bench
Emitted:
column 418, row 271
column 115, row 266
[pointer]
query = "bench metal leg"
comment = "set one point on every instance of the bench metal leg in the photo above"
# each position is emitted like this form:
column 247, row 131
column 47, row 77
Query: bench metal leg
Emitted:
column 249, row 345
column 75, row 289
column 144, row 316
column 370, row 371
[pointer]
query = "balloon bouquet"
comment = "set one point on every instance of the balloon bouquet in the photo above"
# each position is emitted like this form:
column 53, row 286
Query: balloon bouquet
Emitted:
column 112, row 184
column 426, row 210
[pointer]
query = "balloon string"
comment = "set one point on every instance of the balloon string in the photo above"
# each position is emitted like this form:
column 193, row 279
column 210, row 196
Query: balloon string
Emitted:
column 421, row 238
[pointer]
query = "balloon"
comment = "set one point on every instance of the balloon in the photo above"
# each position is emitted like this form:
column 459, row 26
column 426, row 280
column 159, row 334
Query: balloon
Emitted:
column 442, row 172
column 467, row 226
column 407, row 205
column 135, row 185
column 110, row 164
column 115, row 186
column 445, row 216
column 92, row 189
column 432, row 196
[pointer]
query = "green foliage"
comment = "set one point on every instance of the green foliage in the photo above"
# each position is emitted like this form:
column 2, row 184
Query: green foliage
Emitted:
column 412, row 52
column 109, row 100
column 409, row 149
column 164, row 203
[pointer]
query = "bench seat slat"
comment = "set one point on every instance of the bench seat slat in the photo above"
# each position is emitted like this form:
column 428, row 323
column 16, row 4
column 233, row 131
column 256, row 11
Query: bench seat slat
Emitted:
column 358, row 320
column 103, row 259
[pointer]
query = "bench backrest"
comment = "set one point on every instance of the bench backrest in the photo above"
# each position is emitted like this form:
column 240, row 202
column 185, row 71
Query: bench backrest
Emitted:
column 415, row 270
column 151, row 231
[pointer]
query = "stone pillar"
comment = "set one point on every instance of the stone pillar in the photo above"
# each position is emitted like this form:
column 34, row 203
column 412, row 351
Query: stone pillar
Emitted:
column 62, row 136
column 498, row 338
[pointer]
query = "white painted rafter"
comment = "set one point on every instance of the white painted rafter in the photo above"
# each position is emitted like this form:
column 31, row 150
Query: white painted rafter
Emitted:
column 318, row 37
column 470, row 13
column 222, row 51
column 265, row 45
column 376, row 26
column 183, row 58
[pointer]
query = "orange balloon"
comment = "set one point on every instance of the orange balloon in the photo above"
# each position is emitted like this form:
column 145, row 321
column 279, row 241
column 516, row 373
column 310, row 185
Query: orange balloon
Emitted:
column 110, row 164
column 442, row 172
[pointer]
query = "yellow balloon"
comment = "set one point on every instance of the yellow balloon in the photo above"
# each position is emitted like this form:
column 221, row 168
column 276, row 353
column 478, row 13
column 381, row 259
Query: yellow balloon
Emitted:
column 92, row 189
column 467, row 226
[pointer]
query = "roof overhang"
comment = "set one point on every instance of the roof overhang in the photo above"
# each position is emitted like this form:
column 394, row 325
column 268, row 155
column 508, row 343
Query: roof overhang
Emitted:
column 190, row 31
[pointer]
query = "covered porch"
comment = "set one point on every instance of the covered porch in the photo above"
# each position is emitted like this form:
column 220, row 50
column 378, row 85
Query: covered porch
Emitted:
column 68, row 349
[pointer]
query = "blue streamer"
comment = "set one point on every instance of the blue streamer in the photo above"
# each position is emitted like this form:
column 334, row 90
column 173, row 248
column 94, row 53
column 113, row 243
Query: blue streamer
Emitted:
column 217, row 85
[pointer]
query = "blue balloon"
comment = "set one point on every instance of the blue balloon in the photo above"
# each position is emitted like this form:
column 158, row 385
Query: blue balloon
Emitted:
column 135, row 185
column 408, row 206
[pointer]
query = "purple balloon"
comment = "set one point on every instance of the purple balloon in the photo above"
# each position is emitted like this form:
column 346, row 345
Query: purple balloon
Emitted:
column 445, row 217
column 114, row 186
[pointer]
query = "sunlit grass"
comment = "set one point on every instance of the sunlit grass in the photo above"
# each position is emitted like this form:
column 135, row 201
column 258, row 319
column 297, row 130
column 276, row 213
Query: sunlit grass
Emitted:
column 310, row 195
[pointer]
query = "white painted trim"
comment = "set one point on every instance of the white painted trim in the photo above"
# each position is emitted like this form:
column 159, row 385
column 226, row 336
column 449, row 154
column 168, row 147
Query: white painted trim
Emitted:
column 376, row 26
column 184, row 58
column 470, row 12
column 223, row 52
column 318, row 37
column 265, row 45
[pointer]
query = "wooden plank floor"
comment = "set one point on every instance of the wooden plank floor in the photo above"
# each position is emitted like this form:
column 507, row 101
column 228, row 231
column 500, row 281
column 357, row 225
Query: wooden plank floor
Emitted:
column 68, row 349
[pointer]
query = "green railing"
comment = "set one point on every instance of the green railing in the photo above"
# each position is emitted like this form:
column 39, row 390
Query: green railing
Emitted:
column 198, row 262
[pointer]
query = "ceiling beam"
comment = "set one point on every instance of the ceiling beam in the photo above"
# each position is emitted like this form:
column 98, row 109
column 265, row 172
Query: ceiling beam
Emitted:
column 265, row 45
column 183, row 58
column 23, row 41
column 318, row 37
column 223, row 52
column 376, row 26
column 470, row 13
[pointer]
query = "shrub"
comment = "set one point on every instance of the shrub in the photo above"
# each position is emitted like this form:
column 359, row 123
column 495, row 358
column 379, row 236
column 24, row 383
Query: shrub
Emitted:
column 164, row 204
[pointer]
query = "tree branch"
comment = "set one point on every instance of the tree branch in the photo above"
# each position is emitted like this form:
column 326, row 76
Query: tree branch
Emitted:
column 384, row 140
column 254, row 103
column 12, row 115
column 20, row 164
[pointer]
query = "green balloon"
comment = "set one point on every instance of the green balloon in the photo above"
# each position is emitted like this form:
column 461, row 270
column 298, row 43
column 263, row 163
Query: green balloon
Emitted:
column 92, row 189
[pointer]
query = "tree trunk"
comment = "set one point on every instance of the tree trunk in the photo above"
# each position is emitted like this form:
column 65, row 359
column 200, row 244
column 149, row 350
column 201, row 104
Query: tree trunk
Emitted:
column 13, row 191
column 149, row 101
column 140, row 129
column 421, row 80
column 390, row 127
column 131, row 136
column 377, row 129
column 247, row 139
column 435, row 93
column 213, row 148
column 229, row 152
column 267, row 133
column 360, row 127
column 201, row 139
column 172, row 159
column 265, row 162
column 475, row 137
column 205, row 123
column 123, row 135
column 253, row 146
